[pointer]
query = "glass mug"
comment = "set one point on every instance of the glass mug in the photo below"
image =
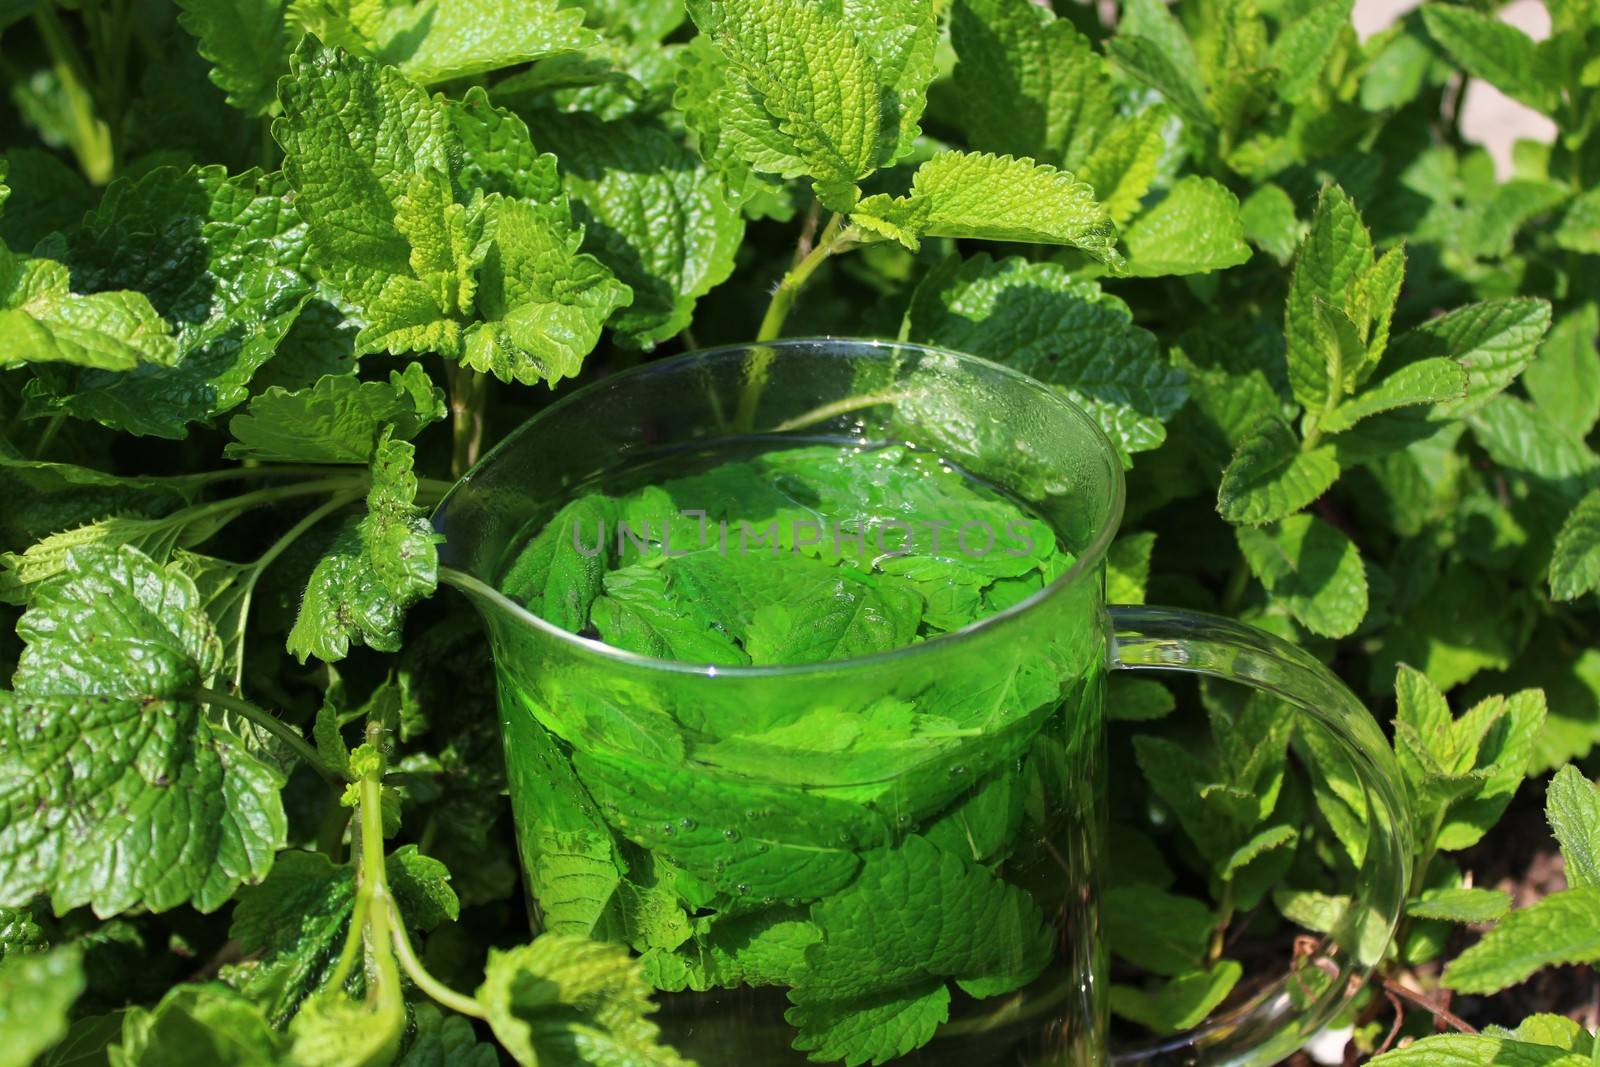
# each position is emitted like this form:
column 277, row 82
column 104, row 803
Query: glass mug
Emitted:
column 632, row 778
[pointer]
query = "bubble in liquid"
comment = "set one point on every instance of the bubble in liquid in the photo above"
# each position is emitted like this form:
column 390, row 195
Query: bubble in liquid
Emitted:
column 730, row 834
column 958, row 770
column 687, row 824
column 666, row 829
column 741, row 889
column 761, row 846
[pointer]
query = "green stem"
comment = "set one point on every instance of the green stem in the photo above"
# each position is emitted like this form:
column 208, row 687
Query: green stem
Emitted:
column 469, row 389
column 458, row 1002
column 1219, row 936
column 1233, row 592
column 375, row 884
column 261, row 497
column 330, row 833
column 47, row 438
column 835, row 237
column 266, row 560
column 89, row 137
column 274, row 726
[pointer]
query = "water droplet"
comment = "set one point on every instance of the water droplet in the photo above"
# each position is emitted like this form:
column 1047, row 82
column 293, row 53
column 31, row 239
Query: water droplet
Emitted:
column 761, row 847
column 741, row 889
column 687, row 824
column 769, row 901
column 902, row 819
column 958, row 770
column 730, row 834
column 666, row 829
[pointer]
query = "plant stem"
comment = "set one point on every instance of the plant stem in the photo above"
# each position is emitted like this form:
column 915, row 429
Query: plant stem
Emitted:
column 274, row 726
column 1219, row 936
column 88, row 137
column 835, row 238
column 375, row 881
column 1233, row 592
column 468, row 391
column 265, row 560
column 458, row 1002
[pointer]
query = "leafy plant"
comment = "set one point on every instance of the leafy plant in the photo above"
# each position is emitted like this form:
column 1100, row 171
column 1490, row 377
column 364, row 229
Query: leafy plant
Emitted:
column 272, row 274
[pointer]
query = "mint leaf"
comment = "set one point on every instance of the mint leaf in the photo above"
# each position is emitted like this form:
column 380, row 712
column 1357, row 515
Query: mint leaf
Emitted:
column 1517, row 439
column 206, row 1023
column 1477, row 1050
column 377, row 567
column 42, row 321
column 444, row 1040
column 1575, row 566
column 1304, row 46
column 1494, row 340
column 103, row 745
column 1194, row 229
column 1573, row 810
column 1564, row 927
column 1123, row 162
column 543, row 303
column 1579, row 230
column 1427, row 381
column 220, row 258
column 1027, row 83
column 37, row 990
column 1495, row 51
column 872, row 1030
column 1564, row 381
column 1063, row 330
column 748, row 840
column 1461, row 905
column 845, row 100
column 914, row 914
column 336, row 420
column 1128, row 568
column 247, row 43
column 1334, row 255
column 1271, row 476
column 652, row 213
column 1164, row 66
column 1183, row 1002
column 1156, row 930
column 564, row 999
column 993, row 198
column 1313, row 569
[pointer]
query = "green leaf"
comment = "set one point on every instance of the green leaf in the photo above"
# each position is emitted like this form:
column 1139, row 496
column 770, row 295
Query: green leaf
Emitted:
column 442, row 1040
column 337, row 420
column 1305, row 45
column 1063, row 330
column 1273, row 837
column 653, row 213
column 247, row 43
column 1579, row 230
column 1128, row 568
column 1494, row 340
column 992, row 198
column 1156, row 930
column 1123, row 162
column 1461, row 905
column 1517, row 439
column 1183, row 1002
column 1499, row 732
column 1137, row 699
column 1269, row 220
column 766, row 947
column 46, row 196
column 293, row 925
column 101, row 745
column 1495, row 51
column 42, row 321
column 565, row 999
column 1335, row 253
column 207, row 1023
column 1271, row 476
column 1564, row 381
column 1427, row 381
column 1563, row 928
column 1477, row 1050
column 1027, row 83
column 844, row 101
column 220, row 258
column 783, row 844
column 1575, row 566
column 376, row 568
column 879, row 948
column 37, row 990
column 1573, row 810
column 1194, row 229
column 435, row 42
column 543, row 303
column 1167, row 72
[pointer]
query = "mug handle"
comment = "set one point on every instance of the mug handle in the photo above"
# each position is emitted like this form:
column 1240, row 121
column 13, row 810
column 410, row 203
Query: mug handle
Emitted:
column 1280, row 1018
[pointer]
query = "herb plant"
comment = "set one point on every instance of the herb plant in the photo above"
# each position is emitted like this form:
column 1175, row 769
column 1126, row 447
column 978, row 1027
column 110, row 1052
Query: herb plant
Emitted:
column 272, row 274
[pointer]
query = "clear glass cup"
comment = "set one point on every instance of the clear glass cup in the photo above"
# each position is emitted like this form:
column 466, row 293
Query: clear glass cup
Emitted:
column 620, row 760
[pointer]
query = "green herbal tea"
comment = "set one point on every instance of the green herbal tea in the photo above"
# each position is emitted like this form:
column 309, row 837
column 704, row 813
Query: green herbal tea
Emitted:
column 899, row 854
